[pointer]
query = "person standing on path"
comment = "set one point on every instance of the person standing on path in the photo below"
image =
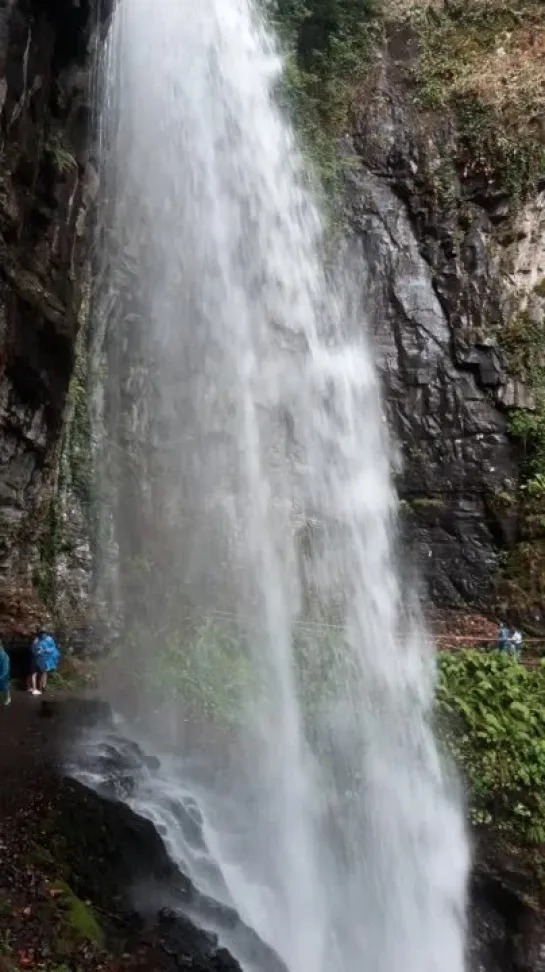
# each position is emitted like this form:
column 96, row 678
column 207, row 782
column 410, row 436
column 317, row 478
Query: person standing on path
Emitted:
column 516, row 643
column 5, row 668
column 45, row 659
column 503, row 638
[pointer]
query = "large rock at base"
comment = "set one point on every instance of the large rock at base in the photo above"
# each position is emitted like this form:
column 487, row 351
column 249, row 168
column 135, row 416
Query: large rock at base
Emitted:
column 113, row 856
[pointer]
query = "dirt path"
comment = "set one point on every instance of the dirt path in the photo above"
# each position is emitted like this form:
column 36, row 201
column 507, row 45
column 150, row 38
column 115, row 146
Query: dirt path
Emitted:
column 21, row 730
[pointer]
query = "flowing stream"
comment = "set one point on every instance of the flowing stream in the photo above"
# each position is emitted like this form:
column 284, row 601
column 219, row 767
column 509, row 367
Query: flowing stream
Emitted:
column 249, row 507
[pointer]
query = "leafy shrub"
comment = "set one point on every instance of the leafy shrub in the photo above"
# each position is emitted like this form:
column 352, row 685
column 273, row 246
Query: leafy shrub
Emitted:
column 535, row 487
column 491, row 719
column 528, row 428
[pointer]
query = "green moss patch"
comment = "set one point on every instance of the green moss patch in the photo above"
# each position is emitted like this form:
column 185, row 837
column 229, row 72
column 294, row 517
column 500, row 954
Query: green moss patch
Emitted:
column 80, row 920
column 425, row 503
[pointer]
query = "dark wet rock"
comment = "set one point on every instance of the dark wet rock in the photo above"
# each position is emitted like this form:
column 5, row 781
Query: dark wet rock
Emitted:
column 507, row 912
column 47, row 190
column 118, row 858
column 153, row 884
column 177, row 936
column 77, row 711
column 436, row 302
column 121, row 764
column 112, row 848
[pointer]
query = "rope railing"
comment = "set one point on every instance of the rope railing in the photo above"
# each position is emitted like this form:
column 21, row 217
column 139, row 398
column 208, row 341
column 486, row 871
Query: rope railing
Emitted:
column 220, row 614
column 473, row 640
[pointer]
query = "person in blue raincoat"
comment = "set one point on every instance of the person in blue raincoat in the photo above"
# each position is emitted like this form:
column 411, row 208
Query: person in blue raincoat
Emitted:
column 504, row 637
column 5, row 690
column 45, row 659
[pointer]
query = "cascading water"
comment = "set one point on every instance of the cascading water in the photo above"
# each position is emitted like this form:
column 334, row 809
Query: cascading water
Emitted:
column 249, row 479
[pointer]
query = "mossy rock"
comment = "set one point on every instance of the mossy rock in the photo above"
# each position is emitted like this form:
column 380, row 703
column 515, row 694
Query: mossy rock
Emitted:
column 423, row 506
column 502, row 502
column 427, row 503
column 81, row 924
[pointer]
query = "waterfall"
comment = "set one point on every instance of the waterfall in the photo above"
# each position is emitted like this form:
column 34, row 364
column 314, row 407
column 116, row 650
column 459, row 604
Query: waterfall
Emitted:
column 266, row 647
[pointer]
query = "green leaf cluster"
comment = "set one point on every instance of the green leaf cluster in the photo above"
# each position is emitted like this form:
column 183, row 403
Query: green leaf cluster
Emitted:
column 491, row 720
column 60, row 158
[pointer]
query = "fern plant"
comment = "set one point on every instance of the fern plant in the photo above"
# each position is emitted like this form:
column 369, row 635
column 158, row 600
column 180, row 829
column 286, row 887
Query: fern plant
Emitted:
column 491, row 720
column 60, row 158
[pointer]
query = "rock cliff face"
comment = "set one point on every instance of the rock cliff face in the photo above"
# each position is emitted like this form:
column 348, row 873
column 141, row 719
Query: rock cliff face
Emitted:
column 47, row 185
column 450, row 212
column 456, row 256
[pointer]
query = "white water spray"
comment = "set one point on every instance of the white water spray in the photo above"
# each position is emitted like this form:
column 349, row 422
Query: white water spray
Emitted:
column 249, row 405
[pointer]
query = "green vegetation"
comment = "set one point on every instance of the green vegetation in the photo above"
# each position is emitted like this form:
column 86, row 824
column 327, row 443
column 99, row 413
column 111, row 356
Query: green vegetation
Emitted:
column 79, row 438
column 73, row 675
column 528, row 429
column 424, row 503
column 206, row 665
column 521, row 583
column 502, row 502
column 211, row 667
column 522, row 575
column 491, row 719
column 483, row 60
column 5, row 944
column 75, row 478
column 81, row 922
column 328, row 44
column 523, row 341
column 62, row 161
column 45, row 576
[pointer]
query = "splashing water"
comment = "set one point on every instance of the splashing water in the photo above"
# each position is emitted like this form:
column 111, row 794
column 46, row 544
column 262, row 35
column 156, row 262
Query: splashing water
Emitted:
column 248, row 470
